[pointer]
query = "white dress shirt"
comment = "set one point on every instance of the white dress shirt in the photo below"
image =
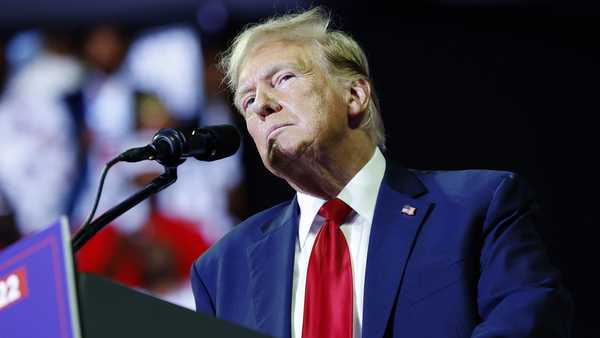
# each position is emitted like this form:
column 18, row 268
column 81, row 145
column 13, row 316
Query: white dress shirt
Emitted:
column 361, row 195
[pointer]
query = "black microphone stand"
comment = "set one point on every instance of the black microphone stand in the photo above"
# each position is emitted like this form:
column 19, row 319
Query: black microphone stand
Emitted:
column 159, row 183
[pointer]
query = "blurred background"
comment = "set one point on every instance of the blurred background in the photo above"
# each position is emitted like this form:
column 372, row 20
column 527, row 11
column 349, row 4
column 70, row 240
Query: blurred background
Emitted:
column 496, row 84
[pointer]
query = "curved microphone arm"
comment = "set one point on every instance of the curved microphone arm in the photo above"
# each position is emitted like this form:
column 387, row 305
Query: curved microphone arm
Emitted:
column 158, row 184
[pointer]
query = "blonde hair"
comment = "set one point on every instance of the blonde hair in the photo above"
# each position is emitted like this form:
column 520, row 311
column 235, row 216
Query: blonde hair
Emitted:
column 341, row 55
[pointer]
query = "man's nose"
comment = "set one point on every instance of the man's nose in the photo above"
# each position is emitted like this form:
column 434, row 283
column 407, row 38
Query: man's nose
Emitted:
column 265, row 103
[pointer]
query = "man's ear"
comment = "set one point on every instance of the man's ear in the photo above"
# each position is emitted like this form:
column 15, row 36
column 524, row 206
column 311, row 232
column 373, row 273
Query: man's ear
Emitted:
column 358, row 101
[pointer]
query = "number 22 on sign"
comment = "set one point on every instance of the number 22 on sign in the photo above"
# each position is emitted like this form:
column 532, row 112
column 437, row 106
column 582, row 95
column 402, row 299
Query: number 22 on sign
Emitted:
column 13, row 287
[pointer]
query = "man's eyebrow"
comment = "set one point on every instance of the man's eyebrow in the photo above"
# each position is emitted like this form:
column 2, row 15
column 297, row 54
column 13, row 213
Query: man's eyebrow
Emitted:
column 241, row 92
column 270, row 71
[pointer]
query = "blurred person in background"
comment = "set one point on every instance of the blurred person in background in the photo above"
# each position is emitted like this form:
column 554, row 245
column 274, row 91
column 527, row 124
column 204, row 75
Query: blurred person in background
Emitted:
column 9, row 233
column 36, row 169
column 102, row 107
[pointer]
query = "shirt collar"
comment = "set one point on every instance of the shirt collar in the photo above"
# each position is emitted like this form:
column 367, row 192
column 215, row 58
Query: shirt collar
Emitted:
column 360, row 194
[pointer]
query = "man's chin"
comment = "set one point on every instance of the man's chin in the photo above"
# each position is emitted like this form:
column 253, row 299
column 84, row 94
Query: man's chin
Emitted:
column 278, row 155
column 279, row 158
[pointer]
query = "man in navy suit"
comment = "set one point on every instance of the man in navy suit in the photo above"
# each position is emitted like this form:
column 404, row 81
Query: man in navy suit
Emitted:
column 426, row 254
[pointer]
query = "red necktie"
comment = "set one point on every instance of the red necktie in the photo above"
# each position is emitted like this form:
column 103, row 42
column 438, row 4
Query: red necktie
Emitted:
column 328, row 297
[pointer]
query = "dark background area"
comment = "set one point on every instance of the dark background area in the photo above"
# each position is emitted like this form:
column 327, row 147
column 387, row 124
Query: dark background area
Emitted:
column 507, row 85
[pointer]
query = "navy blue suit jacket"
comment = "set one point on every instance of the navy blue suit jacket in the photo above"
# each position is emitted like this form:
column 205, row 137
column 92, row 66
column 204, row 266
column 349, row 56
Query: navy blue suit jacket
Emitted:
column 469, row 263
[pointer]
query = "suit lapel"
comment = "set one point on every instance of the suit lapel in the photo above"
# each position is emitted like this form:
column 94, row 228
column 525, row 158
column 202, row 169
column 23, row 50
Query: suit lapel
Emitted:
column 392, row 237
column 271, row 267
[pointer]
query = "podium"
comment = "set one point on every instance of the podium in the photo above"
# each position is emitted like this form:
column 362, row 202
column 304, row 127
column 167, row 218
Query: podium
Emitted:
column 41, row 296
column 111, row 310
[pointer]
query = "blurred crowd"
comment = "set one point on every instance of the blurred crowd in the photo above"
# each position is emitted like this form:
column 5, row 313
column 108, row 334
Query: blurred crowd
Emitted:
column 72, row 100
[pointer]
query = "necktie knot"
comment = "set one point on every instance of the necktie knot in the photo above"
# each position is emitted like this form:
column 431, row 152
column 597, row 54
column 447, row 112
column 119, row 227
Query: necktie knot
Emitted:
column 335, row 210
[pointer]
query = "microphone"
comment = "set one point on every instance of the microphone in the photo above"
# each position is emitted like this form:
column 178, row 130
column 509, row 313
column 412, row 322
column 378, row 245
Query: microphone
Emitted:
column 170, row 146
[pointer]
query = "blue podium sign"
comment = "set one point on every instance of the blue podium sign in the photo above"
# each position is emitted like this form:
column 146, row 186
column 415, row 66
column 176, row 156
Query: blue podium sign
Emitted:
column 37, row 287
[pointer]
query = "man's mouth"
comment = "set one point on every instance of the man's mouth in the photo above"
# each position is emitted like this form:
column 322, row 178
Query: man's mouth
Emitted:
column 276, row 129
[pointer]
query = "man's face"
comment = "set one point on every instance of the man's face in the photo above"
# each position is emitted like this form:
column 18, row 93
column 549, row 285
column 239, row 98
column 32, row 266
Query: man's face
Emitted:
column 293, row 109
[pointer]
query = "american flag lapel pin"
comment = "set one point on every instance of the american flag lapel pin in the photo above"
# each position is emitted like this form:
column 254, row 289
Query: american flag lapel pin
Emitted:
column 409, row 210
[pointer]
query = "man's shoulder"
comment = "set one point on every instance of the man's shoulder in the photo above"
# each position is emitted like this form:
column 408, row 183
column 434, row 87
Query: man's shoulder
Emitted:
column 463, row 183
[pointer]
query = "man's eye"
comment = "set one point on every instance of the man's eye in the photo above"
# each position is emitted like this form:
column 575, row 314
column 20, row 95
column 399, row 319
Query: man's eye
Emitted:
column 285, row 77
column 248, row 102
